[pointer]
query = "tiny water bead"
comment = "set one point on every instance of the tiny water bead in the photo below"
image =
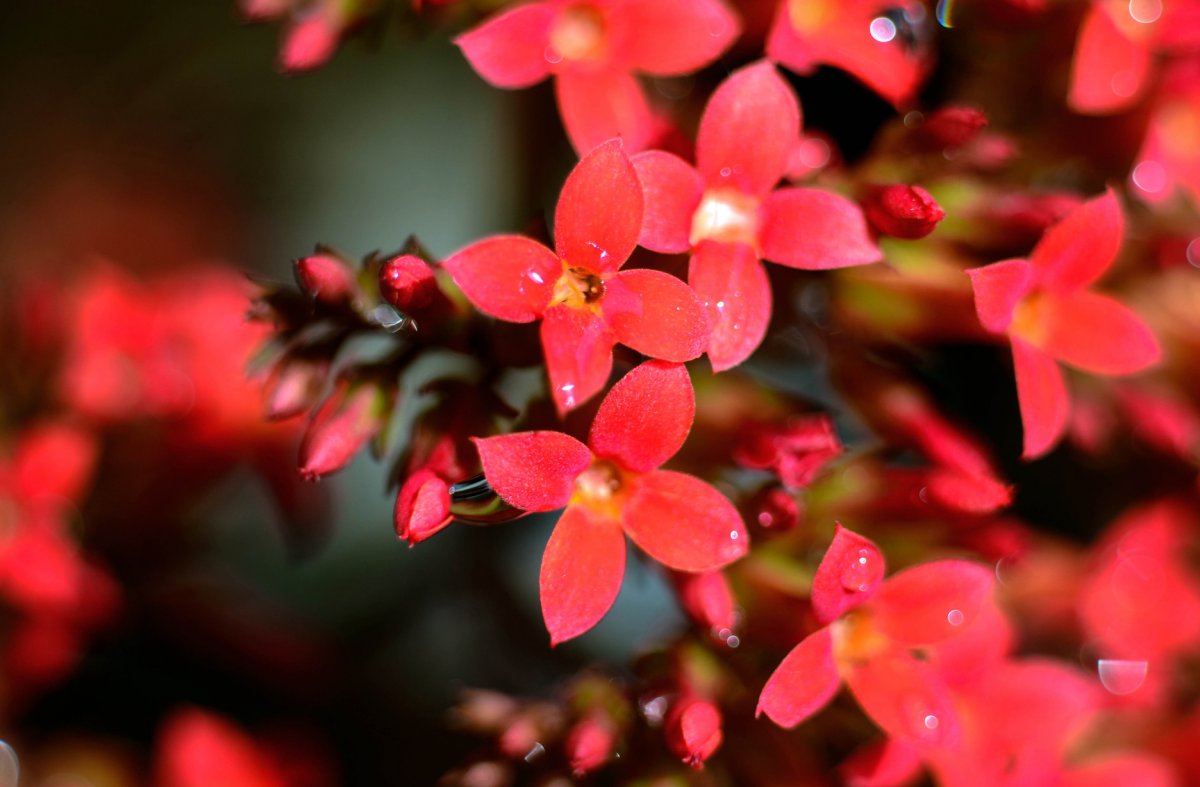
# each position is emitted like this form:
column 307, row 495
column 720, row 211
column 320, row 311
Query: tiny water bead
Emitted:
column 862, row 570
column 1122, row 676
column 955, row 617
column 1193, row 253
column 883, row 29
column 931, row 722
column 1145, row 11
column 1150, row 177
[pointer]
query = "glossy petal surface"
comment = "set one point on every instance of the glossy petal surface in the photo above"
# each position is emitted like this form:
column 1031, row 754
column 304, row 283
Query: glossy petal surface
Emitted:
column 998, row 289
column 748, row 130
column 668, row 37
column 683, row 522
column 731, row 282
column 509, row 277
column 534, row 471
column 803, row 683
column 656, row 314
column 814, row 229
column 848, row 575
column 599, row 214
column 1109, row 70
column 581, row 572
column 906, row 698
column 598, row 106
column 1097, row 334
column 931, row 602
column 646, row 416
column 578, row 345
column 1042, row 396
column 672, row 190
column 1079, row 249
column 509, row 49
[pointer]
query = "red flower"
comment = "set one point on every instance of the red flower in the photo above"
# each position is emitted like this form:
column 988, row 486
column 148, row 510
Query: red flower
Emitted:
column 870, row 632
column 881, row 42
column 201, row 749
column 593, row 48
column 1169, row 160
column 727, row 214
column 1042, row 304
column 586, row 302
column 611, row 486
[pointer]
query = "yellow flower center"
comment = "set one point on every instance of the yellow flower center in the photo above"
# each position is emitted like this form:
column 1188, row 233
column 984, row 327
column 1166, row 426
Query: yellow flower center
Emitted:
column 578, row 288
column 809, row 15
column 726, row 215
column 601, row 488
column 578, row 34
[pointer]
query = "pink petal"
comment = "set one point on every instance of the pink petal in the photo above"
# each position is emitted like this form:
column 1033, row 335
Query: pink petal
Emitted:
column 683, row 522
column 581, row 572
column 672, row 190
column 53, row 461
column 534, row 471
column 1097, row 334
column 1109, row 70
column 998, row 290
column 906, row 698
column 597, row 106
column 422, row 506
column 803, row 683
column 731, row 281
column 1117, row 769
column 599, row 213
column 509, row 277
column 814, row 229
column 578, row 345
column 931, row 602
column 509, row 49
column 1077, row 250
column 748, row 129
column 656, row 314
column 847, row 576
column 882, row 763
column 669, row 37
column 1042, row 395
column 968, row 492
column 646, row 416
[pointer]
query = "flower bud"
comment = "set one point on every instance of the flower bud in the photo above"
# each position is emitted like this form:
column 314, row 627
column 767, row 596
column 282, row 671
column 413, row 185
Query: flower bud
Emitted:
column 422, row 506
column 326, row 278
column 902, row 211
column 346, row 421
column 590, row 744
column 309, row 43
column 293, row 388
column 776, row 509
column 795, row 452
column 694, row 730
column 707, row 599
column 408, row 283
column 952, row 127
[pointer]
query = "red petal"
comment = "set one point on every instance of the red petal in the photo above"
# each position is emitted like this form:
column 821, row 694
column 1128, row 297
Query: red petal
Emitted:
column 1042, row 395
column 968, row 492
column 883, row 763
column 598, row 106
column 1097, row 334
column 668, row 37
column 731, row 281
column 906, row 698
column 646, row 416
column 1109, row 69
column 672, row 190
column 508, row 276
column 1077, row 250
column 683, row 522
column 534, row 471
column 599, row 213
column 53, row 461
column 803, row 683
column 998, row 290
column 1122, row 770
column 931, row 602
column 656, row 314
column 848, row 575
column 422, row 506
column 509, row 50
column 578, row 345
column 748, row 130
column 581, row 572
column 814, row 229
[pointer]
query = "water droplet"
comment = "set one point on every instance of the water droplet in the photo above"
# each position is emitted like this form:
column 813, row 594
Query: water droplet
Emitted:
column 1150, row 176
column 923, row 494
column 913, row 119
column 1193, row 253
column 1145, row 11
column 726, row 172
column 391, row 320
column 1123, row 83
column 537, row 751
column 955, row 617
column 931, row 722
column 733, row 535
column 552, row 55
column 861, row 572
column 1122, row 676
column 720, row 305
column 883, row 29
column 733, row 641
column 945, row 13
column 536, row 277
column 568, row 399
column 654, row 710
column 10, row 768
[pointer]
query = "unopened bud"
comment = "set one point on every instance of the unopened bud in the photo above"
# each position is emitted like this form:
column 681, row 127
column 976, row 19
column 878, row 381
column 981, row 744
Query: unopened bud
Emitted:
column 408, row 283
column 590, row 744
column 694, row 730
column 326, row 278
column 776, row 509
column 422, row 506
column 346, row 421
column 952, row 127
column 903, row 211
column 309, row 43
column 293, row 388
column 707, row 599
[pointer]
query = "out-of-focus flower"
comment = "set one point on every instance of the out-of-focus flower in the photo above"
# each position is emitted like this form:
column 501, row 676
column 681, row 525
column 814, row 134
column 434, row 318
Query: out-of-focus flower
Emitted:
column 1169, row 160
column 693, row 727
column 796, row 452
column 200, row 749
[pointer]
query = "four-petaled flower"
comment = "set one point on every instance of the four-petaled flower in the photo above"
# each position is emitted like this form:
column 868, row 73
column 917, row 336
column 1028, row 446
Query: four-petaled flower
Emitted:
column 872, row 632
column 881, row 42
column 726, row 213
column 611, row 487
column 1042, row 304
column 593, row 48
column 587, row 304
